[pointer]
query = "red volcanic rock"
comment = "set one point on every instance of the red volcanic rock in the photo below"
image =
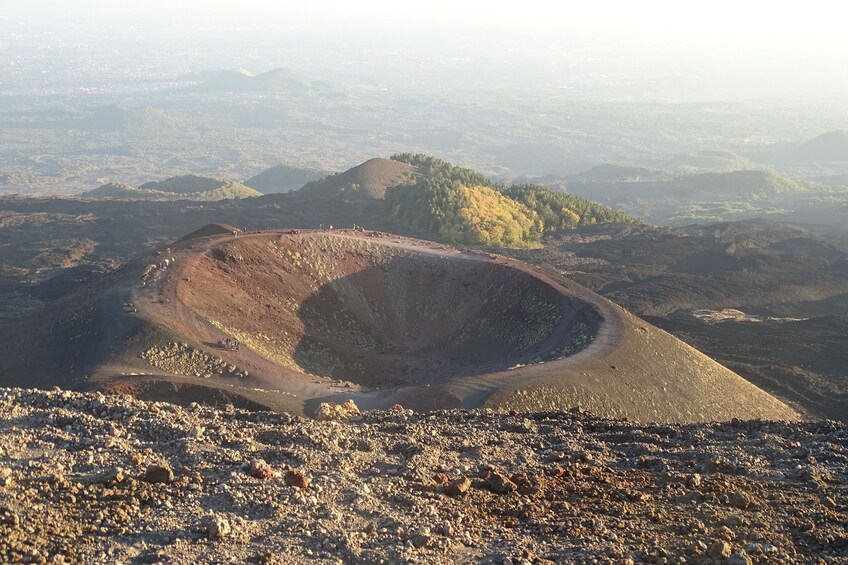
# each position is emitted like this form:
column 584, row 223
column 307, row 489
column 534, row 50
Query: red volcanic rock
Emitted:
column 259, row 469
column 297, row 479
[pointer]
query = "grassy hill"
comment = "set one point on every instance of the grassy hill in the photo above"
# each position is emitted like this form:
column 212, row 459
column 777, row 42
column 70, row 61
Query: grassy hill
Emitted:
column 282, row 178
column 184, row 187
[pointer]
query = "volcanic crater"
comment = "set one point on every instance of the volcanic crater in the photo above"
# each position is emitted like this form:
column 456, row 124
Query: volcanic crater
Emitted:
column 336, row 315
column 379, row 312
column 345, row 314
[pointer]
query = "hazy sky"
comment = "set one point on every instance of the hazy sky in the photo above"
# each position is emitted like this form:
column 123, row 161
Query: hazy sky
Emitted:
column 724, row 48
column 742, row 18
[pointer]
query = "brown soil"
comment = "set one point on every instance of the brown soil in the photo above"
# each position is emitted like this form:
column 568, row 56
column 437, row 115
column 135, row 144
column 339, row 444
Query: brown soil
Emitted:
column 110, row 479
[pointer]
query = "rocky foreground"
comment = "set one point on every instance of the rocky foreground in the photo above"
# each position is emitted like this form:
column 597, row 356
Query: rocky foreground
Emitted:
column 110, row 479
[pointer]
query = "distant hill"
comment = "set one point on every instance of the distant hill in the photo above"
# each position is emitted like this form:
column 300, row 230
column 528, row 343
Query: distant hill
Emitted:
column 460, row 205
column 828, row 147
column 114, row 189
column 185, row 187
column 212, row 188
column 609, row 172
column 118, row 117
column 734, row 184
column 463, row 206
column 713, row 161
column 283, row 178
column 748, row 184
column 276, row 81
column 701, row 197
column 368, row 180
column 227, row 78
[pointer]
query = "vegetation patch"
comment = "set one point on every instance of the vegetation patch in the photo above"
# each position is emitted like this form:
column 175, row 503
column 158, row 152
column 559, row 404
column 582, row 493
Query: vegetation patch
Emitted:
column 463, row 206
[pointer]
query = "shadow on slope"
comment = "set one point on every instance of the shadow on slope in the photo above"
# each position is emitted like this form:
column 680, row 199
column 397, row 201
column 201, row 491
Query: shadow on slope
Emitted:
column 416, row 320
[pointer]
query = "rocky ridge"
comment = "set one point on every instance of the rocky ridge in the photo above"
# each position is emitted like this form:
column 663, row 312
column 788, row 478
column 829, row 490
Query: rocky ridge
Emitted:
column 92, row 478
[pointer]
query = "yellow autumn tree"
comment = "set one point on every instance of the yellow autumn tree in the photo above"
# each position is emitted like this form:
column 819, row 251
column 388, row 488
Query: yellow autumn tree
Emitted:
column 488, row 217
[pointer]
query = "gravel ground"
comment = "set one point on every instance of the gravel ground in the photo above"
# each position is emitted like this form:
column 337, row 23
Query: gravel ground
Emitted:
column 109, row 479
